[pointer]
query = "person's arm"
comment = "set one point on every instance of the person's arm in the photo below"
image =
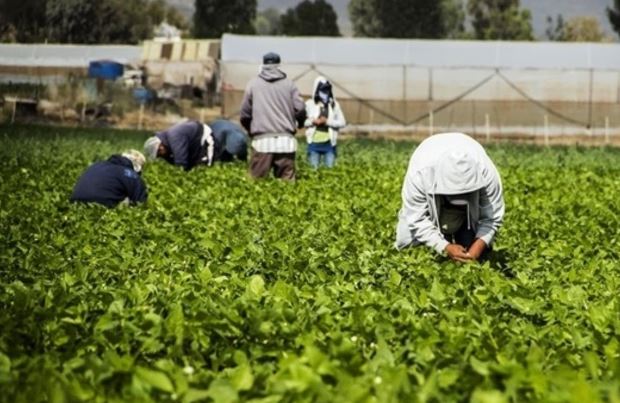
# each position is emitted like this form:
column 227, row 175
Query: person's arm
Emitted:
column 135, row 188
column 458, row 253
column 476, row 249
column 415, row 223
column 491, row 211
column 336, row 119
column 246, row 109
column 299, row 106
column 179, row 147
column 310, row 113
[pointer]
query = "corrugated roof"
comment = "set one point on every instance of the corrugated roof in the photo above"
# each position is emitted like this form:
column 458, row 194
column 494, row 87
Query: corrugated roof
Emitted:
column 65, row 55
column 423, row 53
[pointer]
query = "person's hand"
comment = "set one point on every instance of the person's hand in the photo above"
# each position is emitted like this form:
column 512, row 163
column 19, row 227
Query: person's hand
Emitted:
column 321, row 120
column 458, row 253
column 476, row 249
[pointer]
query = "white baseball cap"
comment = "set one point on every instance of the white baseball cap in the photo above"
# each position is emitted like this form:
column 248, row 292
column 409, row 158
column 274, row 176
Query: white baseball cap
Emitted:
column 137, row 159
column 151, row 145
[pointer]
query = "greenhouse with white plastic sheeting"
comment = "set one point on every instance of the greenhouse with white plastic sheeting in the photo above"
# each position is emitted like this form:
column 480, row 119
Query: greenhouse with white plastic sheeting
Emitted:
column 51, row 63
column 489, row 89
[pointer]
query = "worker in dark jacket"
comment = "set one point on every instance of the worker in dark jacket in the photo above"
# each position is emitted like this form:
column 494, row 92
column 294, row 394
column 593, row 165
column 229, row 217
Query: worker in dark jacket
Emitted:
column 191, row 143
column 184, row 144
column 113, row 181
column 230, row 141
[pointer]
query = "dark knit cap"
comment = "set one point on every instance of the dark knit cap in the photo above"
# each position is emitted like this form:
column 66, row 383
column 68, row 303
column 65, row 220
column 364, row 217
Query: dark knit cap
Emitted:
column 271, row 58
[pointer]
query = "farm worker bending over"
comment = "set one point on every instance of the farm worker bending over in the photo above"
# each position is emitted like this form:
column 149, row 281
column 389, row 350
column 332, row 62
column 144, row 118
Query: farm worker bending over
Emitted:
column 324, row 120
column 452, row 198
column 191, row 143
column 231, row 142
column 271, row 111
column 113, row 181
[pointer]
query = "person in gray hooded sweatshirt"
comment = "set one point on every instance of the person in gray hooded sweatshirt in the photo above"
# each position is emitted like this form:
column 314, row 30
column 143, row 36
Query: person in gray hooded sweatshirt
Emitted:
column 452, row 198
column 271, row 111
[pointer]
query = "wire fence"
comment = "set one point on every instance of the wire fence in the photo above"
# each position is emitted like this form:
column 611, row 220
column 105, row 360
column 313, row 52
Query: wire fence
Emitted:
column 503, row 103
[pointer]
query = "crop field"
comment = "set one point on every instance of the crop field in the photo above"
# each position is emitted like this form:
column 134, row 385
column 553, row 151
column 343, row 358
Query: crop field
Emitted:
column 225, row 289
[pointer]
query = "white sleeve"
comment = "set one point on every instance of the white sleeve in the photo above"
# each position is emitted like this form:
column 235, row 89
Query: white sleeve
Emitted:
column 309, row 114
column 491, row 207
column 336, row 119
column 415, row 223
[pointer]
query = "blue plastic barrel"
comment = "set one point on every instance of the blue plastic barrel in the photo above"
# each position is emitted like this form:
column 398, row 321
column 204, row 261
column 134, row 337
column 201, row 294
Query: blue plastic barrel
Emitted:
column 142, row 95
column 105, row 69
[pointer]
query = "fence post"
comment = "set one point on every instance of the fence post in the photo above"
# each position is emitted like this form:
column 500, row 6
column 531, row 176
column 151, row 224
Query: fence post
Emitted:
column 431, row 123
column 606, row 130
column 141, row 116
column 487, row 123
column 14, row 110
column 547, row 130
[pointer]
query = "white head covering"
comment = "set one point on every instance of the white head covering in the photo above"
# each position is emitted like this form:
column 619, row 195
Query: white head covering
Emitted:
column 137, row 159
column 151, row 145
column 457, row 173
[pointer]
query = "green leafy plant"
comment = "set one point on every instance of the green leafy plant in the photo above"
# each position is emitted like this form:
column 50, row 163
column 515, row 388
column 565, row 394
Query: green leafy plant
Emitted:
column 226, row 289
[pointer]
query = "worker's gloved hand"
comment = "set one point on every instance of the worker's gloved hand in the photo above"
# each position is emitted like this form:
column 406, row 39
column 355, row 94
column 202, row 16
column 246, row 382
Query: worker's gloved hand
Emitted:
column 458, row 253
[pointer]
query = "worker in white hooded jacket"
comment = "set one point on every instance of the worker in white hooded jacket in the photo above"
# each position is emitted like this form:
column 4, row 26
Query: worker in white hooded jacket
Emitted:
column 452, row 198
column 323, row 122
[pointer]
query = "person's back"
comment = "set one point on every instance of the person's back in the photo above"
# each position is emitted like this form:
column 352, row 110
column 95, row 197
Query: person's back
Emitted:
column 452, row 198
column 109, row 183
column 273, row 103
column 230, row 141
column 184, row 142
column 271, row 111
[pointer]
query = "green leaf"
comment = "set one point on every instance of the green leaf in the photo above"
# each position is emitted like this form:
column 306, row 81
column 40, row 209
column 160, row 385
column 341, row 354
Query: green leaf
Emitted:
column 195, row 395
column 242, row 378
column 175, row 323
column 256, row 287
column 222, row 391
column 436, row 292
column 156, row 379
column 480, row 367
column 488, row 396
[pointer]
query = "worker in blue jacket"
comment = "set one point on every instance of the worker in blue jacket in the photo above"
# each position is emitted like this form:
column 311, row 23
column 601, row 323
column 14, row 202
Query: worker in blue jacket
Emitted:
column 231, row 141
column 113, row 181
column 191, row 143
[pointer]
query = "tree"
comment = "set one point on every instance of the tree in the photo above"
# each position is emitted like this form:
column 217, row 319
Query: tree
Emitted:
column 22, row 21
column 158, row 11
column 76, row 21
column 398, row 19
column 613, row 13
column 583, row 29
column 267, row 22
column 576, row 29
column 73, row 21
column 104, row 21
column 555, row 30
column 310, row 18
column 500, row 20
column 213, row 18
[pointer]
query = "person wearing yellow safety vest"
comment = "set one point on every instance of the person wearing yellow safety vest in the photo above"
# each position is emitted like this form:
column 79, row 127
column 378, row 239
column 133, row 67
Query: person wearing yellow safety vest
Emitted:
column 324, row 120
